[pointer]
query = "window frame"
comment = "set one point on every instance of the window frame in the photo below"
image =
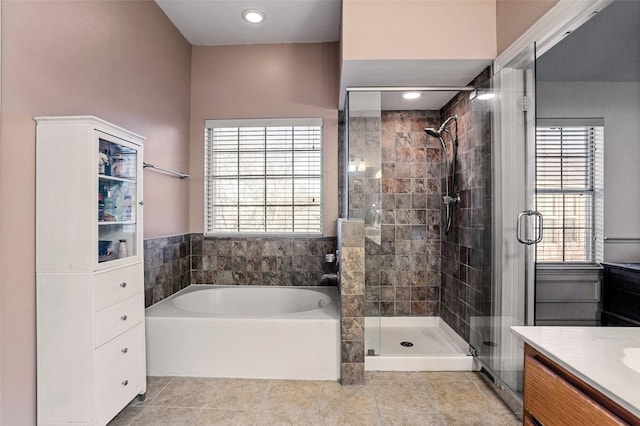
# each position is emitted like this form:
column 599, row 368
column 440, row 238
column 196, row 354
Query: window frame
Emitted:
column 596, row 176
column 209, row 229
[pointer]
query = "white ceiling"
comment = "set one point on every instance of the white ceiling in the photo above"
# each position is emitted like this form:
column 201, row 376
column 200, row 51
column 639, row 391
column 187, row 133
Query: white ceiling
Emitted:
column 219, row 22
column 411, row 73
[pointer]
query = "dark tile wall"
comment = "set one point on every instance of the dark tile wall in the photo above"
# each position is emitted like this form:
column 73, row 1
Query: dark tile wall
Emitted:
column 166, row 267
column 466, row 249
column 172, row 263
column 403, row 269
column 278, row 261
column 352, row 285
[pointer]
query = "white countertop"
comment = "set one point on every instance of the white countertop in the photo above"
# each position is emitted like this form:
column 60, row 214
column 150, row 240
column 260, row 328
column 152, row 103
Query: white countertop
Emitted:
column 607, row 358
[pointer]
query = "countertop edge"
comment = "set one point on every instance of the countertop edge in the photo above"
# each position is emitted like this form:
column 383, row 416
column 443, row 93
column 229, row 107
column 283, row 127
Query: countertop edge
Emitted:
column 520, row 331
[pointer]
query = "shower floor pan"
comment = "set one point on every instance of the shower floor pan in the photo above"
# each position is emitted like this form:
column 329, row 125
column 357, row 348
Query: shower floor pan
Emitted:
column 434, row 345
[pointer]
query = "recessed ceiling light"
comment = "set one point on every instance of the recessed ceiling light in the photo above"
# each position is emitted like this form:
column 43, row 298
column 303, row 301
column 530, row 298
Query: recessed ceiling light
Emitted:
column 411, row 95
column 253, row 16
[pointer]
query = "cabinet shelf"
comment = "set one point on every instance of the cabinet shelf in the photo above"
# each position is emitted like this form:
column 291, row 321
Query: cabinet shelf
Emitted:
column 117, row 222
column 117, row 179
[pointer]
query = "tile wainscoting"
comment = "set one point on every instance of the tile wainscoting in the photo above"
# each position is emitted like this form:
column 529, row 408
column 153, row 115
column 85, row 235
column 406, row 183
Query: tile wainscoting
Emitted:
column 172, row 263
column 167, row 267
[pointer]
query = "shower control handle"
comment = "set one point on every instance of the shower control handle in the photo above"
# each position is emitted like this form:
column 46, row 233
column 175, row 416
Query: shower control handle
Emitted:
column 522, row 239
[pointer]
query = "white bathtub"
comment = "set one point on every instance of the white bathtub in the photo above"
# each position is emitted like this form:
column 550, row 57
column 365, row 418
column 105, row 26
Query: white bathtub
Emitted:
column 245, row 332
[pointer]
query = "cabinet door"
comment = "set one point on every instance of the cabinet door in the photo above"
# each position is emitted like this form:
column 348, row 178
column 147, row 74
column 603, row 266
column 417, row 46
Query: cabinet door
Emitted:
column 118, row 199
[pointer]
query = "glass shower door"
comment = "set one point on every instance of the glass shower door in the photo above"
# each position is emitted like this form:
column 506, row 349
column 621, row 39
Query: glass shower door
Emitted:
column 364, row 172
column 512, row 285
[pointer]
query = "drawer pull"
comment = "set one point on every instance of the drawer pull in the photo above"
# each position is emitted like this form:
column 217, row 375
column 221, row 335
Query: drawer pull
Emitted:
column 123, row 284
column 123, row 318
column 125, row 382
column 124, row 350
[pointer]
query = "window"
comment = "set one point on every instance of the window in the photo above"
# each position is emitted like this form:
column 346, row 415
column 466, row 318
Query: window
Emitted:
column 263, row 176
column 569, row 184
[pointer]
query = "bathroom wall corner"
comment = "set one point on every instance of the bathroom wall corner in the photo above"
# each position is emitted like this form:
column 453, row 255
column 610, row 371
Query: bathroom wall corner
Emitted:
column 166, row 266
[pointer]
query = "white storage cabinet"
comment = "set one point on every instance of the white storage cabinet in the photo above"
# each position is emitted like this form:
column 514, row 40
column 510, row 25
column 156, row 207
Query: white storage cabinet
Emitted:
column 89, row 270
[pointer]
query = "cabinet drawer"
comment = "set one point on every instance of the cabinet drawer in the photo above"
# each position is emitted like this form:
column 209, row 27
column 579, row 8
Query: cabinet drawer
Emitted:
column 552, row 400
column 114, row 286
column 119, row 372
column 116, row 319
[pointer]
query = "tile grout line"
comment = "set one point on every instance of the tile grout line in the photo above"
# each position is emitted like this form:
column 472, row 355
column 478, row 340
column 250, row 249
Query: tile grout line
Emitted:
column 375, row 397
column 264, row 398
column 144, row 407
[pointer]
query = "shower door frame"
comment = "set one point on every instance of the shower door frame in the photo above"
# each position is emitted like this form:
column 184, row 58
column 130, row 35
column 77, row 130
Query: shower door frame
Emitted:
column 565, row 17
column 512, row 287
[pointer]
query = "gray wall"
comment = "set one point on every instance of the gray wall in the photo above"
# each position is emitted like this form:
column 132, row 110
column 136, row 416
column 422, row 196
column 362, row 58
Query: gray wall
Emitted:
column 619, row 105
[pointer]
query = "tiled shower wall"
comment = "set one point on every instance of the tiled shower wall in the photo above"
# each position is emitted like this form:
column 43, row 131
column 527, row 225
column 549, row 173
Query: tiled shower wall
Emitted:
column 172, row 263
column 466, row 249
column 403, row 269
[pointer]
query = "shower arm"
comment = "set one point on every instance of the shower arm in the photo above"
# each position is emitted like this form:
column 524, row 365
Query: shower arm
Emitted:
column 446, row 123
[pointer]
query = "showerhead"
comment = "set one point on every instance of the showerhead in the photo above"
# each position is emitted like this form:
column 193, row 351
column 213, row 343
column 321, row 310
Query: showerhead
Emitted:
column 433, row 132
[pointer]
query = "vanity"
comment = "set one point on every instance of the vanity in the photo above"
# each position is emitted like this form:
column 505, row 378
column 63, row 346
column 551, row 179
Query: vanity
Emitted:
column 621, row 294
column 581, row 375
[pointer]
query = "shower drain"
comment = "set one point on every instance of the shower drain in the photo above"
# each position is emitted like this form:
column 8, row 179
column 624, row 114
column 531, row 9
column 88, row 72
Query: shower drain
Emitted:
column 406, row 344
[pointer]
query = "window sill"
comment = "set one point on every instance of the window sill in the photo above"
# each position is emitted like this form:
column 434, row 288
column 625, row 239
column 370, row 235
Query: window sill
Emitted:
column 260, row 235
column 568, row 267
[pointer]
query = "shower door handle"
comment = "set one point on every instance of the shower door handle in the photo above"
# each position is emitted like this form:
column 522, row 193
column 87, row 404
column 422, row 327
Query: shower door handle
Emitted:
column 519, row 236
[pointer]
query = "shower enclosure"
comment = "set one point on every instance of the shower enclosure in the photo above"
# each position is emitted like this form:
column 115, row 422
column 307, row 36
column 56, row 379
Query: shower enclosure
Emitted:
column 418, row 175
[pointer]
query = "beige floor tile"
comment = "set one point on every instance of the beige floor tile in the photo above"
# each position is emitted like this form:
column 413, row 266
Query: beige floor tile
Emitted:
column 412, row 419
column 499, row 406
column 292, row 417
column 339, row 418
column 291, row 395
column 448, row 375
column 393, row 375
column 403, row 396
column 226, row 417
column 154, row 386
column 459, row 396
column 156, row 416
column 387, row 398
column 126, row 416
column 348, row 399
column 480, row 419
column 186, row 392
column 238, row 394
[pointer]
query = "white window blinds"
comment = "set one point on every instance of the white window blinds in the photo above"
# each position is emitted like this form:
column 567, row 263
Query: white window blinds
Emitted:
column 263, row 176
column 569, row 186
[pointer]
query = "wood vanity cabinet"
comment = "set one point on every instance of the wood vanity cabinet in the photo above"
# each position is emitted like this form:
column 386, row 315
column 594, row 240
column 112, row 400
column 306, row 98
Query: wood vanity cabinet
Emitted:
column 89, row 270
column 554, row 396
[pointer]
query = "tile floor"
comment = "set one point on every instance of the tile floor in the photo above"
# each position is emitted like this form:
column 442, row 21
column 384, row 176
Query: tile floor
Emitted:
column 387, row 398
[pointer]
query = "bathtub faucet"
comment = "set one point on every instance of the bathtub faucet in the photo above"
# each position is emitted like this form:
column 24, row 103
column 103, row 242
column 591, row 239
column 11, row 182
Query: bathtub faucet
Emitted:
column 329, row 278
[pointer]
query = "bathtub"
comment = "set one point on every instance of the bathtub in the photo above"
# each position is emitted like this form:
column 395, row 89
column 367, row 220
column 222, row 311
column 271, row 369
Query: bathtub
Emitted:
column 245, row 332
